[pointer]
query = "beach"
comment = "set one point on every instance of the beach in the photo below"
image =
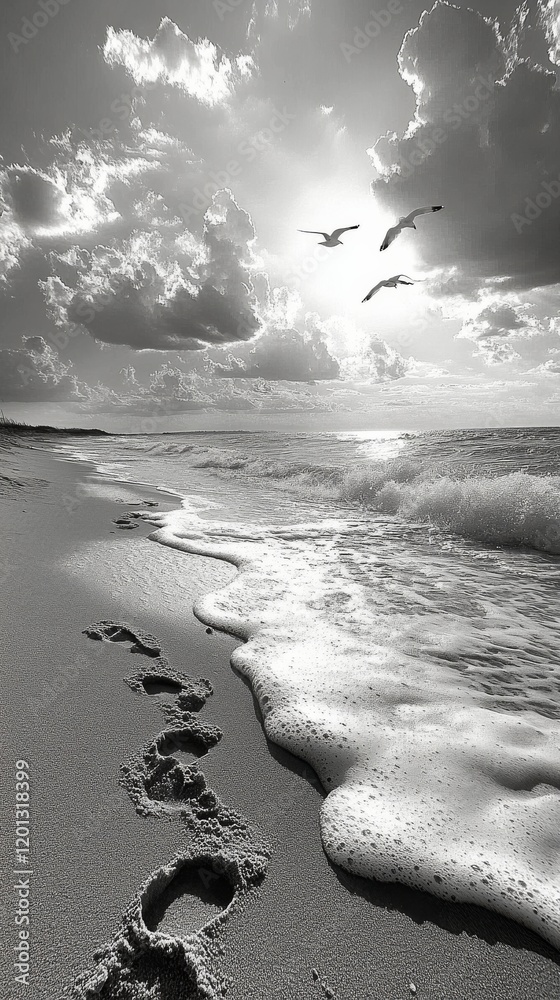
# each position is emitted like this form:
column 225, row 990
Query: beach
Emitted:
column 285, row 920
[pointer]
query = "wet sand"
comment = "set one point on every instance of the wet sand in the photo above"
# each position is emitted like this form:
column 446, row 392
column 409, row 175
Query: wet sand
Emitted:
column 67, row 565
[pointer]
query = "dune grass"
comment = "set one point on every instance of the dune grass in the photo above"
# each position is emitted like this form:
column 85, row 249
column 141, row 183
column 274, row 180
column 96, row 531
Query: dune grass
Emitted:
column 21, row 427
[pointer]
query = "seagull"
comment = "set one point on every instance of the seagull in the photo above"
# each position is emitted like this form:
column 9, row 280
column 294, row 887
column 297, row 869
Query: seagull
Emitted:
column 332, row 240
column 397, row 279
column 407, row 222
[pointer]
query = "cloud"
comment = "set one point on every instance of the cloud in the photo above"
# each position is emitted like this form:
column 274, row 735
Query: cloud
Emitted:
column 80, row 187
column 199, row 68
column 35, row 198
column 499, row 320
column 288, row 13
column 550, row 19
column 506, row 331
column 163, row 289
column 377, row 362
column 35, row 373
column 482, row 142
column 550, row 367
column 13, row 246
column 288, row 354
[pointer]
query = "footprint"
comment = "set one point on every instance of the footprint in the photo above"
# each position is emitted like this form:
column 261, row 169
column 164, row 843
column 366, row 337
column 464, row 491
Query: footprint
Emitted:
column 164, row 945
column 195, row 894
column 157, row 783
column 183, row 741
column 120, row 632
column 160, row 685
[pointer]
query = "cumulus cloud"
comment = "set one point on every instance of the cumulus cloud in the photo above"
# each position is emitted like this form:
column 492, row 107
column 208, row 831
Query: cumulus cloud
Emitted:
column 13, row 246
column 287, row 354
column 165, row 289
column 80, row 188
column 172, row 390
column 35, row 373
column 199, row 68
column 377, row 361
column 287, row 12
column 550, row 19
column 482, row 142
column 506, row 331
column 35, row 199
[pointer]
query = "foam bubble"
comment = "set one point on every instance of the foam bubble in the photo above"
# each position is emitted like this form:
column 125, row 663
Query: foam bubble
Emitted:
column 380, row 665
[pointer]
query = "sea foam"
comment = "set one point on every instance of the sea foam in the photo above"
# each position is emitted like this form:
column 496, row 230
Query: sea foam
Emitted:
column 417, row 705
column 501, row 508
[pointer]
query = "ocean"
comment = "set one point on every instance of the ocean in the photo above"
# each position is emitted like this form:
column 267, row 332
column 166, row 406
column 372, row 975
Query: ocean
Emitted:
column 399, row 600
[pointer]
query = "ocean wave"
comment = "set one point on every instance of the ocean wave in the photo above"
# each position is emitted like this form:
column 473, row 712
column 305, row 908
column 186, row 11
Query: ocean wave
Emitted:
column 515, row 508
column 361, row 670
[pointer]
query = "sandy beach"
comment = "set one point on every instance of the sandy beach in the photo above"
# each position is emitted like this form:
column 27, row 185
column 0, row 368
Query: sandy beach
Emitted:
column 66, row 567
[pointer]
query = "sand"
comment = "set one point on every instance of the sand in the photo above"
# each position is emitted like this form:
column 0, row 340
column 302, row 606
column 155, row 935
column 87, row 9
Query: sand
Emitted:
column 66, row 566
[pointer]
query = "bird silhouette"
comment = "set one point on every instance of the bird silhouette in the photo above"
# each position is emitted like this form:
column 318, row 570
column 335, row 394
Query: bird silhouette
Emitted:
column 331, row 240
column 407, row 222
column 397, row 279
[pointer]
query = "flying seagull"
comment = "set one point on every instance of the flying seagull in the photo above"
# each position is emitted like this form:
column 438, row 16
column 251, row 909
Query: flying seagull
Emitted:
column 332, row 240
column 407, row 222
column 397, row 279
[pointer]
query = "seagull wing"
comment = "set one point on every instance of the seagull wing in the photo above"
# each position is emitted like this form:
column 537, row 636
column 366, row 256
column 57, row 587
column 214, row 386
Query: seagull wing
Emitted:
column 337, row 233
column 390, row 235
column 375, row 289
column 316, row 231
column 423, row 211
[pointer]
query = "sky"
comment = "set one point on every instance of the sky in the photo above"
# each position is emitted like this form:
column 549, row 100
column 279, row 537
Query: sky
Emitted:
column 159, row 157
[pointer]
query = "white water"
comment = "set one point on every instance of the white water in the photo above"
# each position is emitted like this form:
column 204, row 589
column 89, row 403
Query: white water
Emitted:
column 414, row 665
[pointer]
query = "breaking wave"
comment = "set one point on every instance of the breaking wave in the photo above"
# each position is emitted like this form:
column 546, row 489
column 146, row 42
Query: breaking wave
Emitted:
column 516, row 508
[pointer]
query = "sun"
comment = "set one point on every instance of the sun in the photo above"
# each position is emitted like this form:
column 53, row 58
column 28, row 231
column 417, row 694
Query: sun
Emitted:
column 335, row 280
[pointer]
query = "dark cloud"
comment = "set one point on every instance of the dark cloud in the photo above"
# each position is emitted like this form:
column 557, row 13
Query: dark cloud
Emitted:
column 288, row 354
column 484, row 143
column 510, row 332
column 34, row 198
column 166, row 290
column 35, row 373
column 499, row 321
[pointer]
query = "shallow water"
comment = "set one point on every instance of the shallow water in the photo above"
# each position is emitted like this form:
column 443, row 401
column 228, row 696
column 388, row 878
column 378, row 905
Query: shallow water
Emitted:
column 399, row 598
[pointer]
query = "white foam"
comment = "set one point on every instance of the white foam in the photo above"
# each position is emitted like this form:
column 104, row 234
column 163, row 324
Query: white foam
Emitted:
column 449, row 482
column 390, row 672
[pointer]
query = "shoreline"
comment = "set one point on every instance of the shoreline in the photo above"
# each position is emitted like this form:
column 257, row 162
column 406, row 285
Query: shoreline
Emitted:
column 364, row 938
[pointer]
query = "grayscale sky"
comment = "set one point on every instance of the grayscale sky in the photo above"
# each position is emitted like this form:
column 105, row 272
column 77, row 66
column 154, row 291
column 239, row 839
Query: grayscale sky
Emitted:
column 157, row 159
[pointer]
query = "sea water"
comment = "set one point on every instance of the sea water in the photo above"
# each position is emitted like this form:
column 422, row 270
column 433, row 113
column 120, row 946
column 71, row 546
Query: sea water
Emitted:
column 399, row 600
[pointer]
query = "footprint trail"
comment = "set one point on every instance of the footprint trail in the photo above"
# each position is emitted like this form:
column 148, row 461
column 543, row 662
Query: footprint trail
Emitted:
column 167, row 939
